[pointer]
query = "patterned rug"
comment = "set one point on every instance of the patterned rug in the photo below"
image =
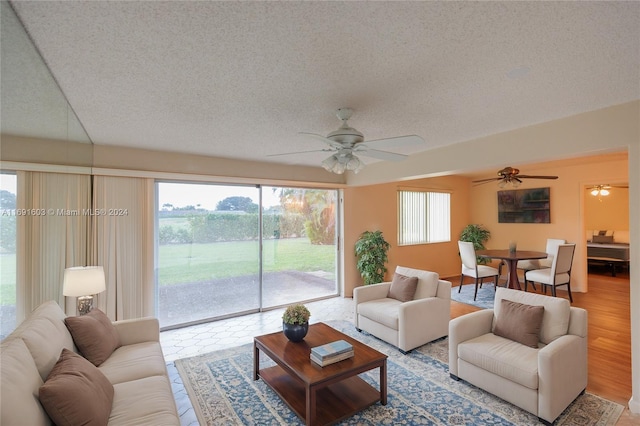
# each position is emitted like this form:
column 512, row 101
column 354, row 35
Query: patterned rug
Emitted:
column 420, row 392
column 484, row 299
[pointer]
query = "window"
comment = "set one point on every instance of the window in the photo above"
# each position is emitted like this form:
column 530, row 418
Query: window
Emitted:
column 8, row 191
column 423, row 217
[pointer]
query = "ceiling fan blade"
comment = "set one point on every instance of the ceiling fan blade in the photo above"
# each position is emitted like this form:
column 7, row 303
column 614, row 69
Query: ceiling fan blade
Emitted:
column 537, row 177
column 300, row 152
column 381, row 155
column 486, row 180
column 483, row 181
column 323, row 139
column 409, row 140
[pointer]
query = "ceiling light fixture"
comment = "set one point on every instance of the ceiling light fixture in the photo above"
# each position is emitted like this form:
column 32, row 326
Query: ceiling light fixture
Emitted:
column 514, row 182
column 340, row 162
column 598, row 190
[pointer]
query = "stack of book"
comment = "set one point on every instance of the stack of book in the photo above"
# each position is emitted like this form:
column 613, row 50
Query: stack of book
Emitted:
column 331, row 352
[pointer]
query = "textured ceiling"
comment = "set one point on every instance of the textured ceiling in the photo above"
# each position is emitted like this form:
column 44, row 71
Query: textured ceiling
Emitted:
column 241, row 79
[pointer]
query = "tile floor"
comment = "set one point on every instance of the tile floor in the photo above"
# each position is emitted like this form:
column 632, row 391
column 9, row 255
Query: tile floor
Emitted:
column 199, row 339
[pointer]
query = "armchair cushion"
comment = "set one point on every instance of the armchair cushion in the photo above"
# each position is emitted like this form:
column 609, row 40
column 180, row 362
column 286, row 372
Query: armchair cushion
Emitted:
column 427, row 281
column 383, row 311
column 555, row 321
column 502, row 357
column 403, row 288
column 519, row 322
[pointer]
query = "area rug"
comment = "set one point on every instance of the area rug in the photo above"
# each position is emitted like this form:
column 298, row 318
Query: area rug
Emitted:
column 420, row 392
column 484, row 299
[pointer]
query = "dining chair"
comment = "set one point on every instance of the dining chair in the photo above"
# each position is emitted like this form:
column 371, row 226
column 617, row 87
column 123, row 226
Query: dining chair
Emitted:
column 558, row 275
column 470, row 267
column 531, row 264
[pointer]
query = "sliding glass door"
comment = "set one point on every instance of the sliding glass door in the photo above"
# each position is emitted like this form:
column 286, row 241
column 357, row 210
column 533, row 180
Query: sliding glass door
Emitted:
column 226, row 250
column 299, row 247
column 208, row 252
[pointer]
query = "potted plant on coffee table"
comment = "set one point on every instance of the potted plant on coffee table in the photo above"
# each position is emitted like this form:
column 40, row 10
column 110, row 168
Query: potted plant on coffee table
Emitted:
column 295, row 322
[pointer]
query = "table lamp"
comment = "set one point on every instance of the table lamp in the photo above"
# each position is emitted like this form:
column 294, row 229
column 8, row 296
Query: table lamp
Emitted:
column 83, row 282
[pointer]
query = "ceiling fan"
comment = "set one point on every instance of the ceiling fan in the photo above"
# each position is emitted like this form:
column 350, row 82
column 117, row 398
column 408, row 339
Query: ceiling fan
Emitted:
column 603, row 190
column 347, row 141
column 511, row 175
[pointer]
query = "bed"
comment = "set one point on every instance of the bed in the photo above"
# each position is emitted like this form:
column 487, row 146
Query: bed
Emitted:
column 610, row 248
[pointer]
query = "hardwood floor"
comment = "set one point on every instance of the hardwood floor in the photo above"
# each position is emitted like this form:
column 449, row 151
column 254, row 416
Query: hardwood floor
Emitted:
column 609, row 338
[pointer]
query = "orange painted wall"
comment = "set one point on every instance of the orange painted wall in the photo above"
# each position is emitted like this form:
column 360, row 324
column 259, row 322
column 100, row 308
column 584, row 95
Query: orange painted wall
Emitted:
column 374, row 207
column 610, row 212
column 568, row 207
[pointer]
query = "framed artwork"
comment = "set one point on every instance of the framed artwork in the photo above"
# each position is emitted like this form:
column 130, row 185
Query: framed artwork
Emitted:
column 524, row 206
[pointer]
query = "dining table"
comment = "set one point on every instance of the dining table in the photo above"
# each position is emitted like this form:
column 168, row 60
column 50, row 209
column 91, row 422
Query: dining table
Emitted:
column 511, row 258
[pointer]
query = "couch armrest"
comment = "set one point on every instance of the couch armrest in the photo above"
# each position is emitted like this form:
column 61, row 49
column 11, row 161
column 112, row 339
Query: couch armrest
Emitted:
column 562, row 371
column 466, row 328
column 366, row 293
column 138, row 330
column 422, row 320
column 444, row 290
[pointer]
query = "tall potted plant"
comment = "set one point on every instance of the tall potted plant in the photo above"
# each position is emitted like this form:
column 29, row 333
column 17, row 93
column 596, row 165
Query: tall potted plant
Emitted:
column 478, row 235
column 371, row 250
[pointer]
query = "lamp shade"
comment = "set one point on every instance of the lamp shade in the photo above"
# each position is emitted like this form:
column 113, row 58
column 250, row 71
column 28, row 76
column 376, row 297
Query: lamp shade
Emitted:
column 83, row 281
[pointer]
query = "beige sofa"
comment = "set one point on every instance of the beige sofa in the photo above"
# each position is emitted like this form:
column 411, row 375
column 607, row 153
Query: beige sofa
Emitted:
column 409, row 324
column 542, row 380
column 137, row 370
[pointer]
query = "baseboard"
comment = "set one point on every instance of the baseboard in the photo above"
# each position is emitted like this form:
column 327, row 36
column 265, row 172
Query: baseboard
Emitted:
column 634, row 405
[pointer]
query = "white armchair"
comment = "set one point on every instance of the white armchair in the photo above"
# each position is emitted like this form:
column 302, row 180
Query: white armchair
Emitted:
column 409, row 324
column 542, row 379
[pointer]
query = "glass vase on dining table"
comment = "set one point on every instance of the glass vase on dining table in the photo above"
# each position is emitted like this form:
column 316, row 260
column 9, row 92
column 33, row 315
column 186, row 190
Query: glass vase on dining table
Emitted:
column 513, row 245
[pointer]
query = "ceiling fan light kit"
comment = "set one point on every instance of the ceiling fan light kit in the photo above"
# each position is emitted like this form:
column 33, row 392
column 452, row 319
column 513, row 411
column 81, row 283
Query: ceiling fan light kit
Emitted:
column 346, row 141
column 339, row 163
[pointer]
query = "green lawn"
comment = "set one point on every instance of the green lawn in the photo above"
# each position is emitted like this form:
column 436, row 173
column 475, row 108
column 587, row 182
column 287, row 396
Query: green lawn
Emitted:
column 8, row 279
column 183, row 263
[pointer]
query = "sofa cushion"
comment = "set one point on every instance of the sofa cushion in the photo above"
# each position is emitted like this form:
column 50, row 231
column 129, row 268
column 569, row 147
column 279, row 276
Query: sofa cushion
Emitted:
column 557, row 310
column 427, row 281
column 383, row 311
column 519, row 322
column 144, row 402
column 132, row 362
column 19, row 383
column 76, row 392
column 94, row 335
column 402, row 287
column 45, row 335
column 503, row 357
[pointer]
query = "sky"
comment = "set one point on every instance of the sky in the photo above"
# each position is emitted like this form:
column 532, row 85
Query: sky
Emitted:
column 8, row 182
column 208, row 195
column 185, row 194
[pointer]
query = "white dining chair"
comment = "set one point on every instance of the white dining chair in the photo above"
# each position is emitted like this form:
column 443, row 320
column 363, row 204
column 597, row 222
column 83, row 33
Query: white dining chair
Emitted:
column 558, row 275
column 470, row 267
column 531, row 264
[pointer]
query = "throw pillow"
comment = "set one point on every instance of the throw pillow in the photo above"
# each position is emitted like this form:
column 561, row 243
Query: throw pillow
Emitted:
column 76, row 392
column 403, row 288
column 94, row 335
column 519, row 322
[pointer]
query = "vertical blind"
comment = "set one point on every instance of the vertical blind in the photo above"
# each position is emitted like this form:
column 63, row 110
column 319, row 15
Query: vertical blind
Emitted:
column 423, row 217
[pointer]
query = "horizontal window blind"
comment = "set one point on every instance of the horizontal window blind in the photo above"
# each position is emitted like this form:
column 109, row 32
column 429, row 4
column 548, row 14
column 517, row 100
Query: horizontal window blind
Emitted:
column 423, row 217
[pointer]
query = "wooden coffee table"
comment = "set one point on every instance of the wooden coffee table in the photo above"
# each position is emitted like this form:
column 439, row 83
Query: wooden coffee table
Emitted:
column 320, row 395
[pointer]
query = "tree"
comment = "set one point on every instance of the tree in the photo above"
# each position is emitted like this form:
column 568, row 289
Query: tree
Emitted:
column 7, row 200
column 237, row 204
column 318, row 208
